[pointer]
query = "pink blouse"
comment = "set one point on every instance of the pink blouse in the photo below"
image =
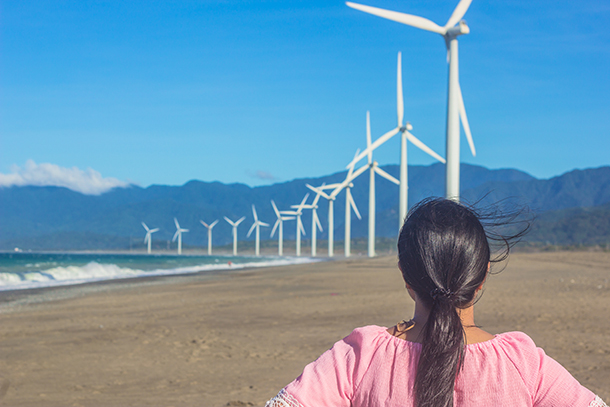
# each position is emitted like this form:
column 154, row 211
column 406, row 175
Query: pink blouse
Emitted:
column 372, row 368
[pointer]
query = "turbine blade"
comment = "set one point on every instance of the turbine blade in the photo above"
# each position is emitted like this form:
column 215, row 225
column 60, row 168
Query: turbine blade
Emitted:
column 386, row 175
column 263, row 224
column 353, row 205
column 424, row 147
column 458, row 13
column 304, row 200
column 145, row 227
column 368, row 136
column 184, row 230
column 315, row 214
column 377, row 143
column 399, row 97
column 254, row 213
column 240, row 221
column 204, row 224
column 359, row 171
column 319, row 191
column 465, row 124
column 275, row 208
column 408, row 19
column 176, row 235
column 229, row 220
column 213, row 223
column 251, row 229
column 146, row 238
column 177, row 224
column 153, row 230
column 277, row 222
column 300, row 227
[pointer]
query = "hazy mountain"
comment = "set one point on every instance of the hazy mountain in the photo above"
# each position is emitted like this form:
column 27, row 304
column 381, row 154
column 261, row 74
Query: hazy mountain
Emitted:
column 58, row 218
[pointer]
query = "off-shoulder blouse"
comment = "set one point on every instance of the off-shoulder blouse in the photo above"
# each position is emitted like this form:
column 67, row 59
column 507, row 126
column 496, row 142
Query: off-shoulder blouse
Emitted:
column 371, row 367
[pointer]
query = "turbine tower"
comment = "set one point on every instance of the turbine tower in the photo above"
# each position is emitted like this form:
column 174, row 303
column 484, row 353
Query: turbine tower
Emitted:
column 456, row 111
column 279, row 224
column 148, row 237
column 256, row 225
column 404, row 130
column 300, row 228
column 178, row 235
column 209, row 227
column 235, row 225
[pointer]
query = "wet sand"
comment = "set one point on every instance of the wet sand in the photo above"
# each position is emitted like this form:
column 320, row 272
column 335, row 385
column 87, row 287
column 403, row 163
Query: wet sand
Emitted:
column 236, row 340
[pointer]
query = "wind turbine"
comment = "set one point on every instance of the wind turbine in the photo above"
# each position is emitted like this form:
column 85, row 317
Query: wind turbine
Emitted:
column 331, row 220
column 315, row 222
column 235, row 225
column 349, row 202
column 178, row 235
column 373, row 168
column 279, row 223
column 256, row 225
column 209, row 227
column 148, row 237
column 456, row 111
column 404, row 130
column 300, row 228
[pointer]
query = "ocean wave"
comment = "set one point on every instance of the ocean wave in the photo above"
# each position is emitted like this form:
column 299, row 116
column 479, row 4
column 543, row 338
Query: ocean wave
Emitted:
column 94, row 271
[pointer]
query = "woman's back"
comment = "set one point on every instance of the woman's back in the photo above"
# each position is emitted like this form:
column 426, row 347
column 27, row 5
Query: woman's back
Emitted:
column 370, row 367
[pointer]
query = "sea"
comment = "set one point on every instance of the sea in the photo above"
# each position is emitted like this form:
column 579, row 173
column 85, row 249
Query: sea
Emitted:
column 19, row 270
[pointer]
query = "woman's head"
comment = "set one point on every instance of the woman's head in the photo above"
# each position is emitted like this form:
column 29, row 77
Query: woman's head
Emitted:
column 443, row 252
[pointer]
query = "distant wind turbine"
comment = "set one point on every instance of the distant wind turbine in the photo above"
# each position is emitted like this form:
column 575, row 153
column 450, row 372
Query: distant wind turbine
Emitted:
column 456, row 111
column 349, row 203
column 256, row 225
column 148, row 237
column 315, row 223
column 178, row 235
column 404, row 130
column 279, row 225
column 209, row 227
column 235, row 225
column 300, row 229
column 331, row 217
column 374, row 168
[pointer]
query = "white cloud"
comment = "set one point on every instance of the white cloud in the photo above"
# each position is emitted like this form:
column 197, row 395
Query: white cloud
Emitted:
column 89, row 182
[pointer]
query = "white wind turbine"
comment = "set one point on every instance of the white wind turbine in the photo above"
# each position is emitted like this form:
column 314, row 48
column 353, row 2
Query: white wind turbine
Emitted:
column 456, row 111
column 405, row 135
column 235, row 225
column 349, row 203
column 315, row 222
column 148, row 237
column 300, row 229
column 331, row 220
column 178, row 235
column 279, row 224
column 374, row 168
column 256, row 225
column 209, row 227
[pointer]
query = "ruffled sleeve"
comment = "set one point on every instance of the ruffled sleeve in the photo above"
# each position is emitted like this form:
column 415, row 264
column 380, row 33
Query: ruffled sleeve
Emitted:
column 549, row 383
column 330, row 380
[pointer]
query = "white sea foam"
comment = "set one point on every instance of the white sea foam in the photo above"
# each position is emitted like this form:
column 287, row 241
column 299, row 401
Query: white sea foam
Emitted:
column 93, row 271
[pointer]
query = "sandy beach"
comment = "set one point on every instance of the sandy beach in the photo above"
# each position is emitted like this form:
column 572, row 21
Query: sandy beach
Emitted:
column 237, row 339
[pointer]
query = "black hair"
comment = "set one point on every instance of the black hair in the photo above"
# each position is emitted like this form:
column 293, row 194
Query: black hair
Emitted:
column 444, row 255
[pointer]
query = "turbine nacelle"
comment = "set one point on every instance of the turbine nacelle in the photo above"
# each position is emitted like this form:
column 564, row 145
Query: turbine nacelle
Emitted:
column 460, row 29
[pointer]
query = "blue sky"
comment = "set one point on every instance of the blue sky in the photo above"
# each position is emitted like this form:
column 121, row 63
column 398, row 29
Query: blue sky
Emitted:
column 267, row 91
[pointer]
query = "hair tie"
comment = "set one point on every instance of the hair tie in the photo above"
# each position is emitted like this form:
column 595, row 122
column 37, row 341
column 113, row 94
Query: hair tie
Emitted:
column 440, row 292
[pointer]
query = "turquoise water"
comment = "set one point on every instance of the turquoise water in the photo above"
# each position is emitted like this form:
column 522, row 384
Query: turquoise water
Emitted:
column 34, row 270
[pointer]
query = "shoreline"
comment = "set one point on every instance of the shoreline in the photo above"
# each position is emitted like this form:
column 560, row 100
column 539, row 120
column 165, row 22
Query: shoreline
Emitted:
column 187, row 340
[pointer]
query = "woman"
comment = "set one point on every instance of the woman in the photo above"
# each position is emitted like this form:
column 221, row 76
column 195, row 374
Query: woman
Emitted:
column 440, row 357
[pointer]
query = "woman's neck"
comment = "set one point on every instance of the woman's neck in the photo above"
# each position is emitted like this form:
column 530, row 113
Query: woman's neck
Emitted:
column 420, row 316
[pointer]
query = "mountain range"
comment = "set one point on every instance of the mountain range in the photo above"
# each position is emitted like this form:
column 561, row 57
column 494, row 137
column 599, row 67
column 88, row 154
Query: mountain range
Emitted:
column 573, row 208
